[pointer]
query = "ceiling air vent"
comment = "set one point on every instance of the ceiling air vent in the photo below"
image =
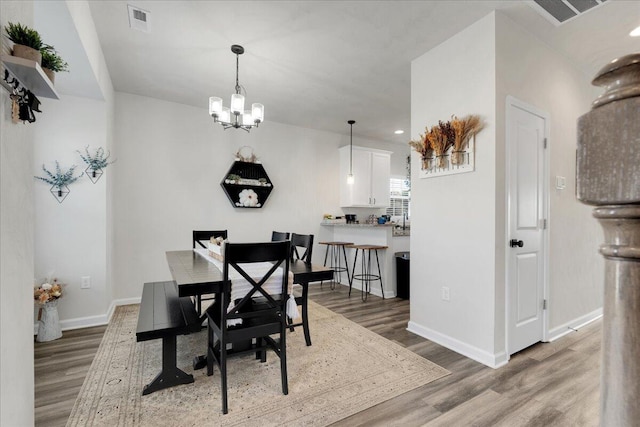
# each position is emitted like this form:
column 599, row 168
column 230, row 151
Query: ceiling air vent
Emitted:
column 138, row 18
column 561, row 11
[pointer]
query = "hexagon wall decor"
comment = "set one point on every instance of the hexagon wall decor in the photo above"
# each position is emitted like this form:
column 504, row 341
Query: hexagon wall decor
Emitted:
column 247, row 185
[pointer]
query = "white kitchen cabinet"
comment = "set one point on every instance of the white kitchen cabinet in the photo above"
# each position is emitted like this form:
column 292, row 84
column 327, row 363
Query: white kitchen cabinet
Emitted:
column 371, row 171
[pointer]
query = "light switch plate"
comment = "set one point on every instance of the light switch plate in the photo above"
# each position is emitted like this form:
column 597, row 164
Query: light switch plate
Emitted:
column 561, row 183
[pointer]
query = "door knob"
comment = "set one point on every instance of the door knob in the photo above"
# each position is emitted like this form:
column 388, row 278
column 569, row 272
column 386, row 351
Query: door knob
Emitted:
column 513, row 243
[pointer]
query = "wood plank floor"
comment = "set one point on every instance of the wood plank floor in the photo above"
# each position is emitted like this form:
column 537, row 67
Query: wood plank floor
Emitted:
column 549, row 384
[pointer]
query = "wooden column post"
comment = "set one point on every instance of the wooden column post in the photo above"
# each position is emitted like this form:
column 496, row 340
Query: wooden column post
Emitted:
column 608, row 176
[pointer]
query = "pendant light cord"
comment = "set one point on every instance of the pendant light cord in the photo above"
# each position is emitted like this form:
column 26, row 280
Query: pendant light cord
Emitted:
column 351, row 152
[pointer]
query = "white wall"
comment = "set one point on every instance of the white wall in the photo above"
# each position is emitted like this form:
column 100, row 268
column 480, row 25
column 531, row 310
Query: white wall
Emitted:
column 171, row 160
column 16, row 250
column 458, row 224
column 71, row 236
column 453, row 226
column 75, row 237
column 547, row 80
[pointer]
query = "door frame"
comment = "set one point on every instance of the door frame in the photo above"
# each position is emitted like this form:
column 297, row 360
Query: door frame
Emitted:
column 512, row 102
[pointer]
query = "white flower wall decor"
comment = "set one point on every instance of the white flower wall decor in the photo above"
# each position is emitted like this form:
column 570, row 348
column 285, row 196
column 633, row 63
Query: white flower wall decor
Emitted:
column 248, row 199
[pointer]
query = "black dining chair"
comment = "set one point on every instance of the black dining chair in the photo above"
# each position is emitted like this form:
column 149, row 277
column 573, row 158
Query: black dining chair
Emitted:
column 277, row 236
column 201, row 238
column 261, row 314
column 302, row 243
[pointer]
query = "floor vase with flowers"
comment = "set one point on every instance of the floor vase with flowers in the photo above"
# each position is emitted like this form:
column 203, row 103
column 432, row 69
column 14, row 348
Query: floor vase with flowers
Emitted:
column 49, row 325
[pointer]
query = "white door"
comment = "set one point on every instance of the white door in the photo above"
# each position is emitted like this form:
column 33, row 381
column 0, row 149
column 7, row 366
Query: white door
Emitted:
column 526, row 140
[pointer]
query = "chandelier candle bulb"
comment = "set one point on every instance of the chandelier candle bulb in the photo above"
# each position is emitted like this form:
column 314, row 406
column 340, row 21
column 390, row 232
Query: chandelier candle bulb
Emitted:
column 225, row 115
column 257, row 112
column 215, row 106
column 247, row 119
column 237, row 103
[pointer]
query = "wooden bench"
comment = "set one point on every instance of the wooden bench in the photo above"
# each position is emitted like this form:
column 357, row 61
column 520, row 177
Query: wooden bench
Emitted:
column 163, row 314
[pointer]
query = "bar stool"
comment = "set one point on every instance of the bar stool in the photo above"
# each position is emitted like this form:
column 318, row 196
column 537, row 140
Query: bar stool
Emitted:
column 336, row 262
column 366, row 276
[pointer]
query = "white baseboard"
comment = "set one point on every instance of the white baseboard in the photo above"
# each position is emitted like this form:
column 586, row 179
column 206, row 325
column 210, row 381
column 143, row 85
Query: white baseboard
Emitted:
column 489, row 359
column 574, row 325
column 87, row 322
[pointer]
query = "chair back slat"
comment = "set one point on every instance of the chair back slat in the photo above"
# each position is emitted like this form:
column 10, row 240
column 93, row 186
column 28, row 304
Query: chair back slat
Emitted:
column 200, row 236
column 277, row 236
column 302, row 243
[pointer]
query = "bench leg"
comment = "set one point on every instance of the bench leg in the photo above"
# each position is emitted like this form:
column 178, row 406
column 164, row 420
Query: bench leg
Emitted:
column 170, row 374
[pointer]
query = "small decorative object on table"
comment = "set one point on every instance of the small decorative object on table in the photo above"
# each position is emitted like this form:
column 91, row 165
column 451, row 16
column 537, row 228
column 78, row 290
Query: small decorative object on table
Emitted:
column 47, row 295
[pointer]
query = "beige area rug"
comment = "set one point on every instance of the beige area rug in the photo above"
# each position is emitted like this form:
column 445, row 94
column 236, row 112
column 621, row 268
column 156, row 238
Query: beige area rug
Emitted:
column 346, row 370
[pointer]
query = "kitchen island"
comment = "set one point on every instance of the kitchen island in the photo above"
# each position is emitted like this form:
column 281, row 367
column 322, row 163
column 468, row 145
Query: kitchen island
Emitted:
column 374, row 234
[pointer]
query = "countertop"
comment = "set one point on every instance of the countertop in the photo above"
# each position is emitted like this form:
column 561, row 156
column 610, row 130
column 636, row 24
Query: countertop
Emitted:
column 358, row 225
column 397, row 229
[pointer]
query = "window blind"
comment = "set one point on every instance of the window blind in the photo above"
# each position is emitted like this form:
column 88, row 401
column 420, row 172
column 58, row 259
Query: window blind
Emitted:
column 399, row 197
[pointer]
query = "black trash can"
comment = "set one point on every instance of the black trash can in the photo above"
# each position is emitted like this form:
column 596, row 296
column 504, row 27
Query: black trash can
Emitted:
column 402, row 275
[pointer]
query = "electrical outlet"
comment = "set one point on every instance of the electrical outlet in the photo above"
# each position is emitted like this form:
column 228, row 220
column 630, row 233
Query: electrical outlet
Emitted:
column 445, row 293
column 85, row 282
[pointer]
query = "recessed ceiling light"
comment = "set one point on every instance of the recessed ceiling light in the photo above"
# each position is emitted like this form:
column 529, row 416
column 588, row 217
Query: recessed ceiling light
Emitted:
column 635, row 33
column 399, row 132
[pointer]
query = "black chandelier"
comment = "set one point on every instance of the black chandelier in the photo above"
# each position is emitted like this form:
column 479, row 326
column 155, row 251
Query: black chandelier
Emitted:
column 236, row 116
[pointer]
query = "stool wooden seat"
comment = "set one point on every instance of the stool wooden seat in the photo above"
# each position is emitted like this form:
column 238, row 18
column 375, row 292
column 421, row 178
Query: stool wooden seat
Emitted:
column 366, row 276
column 336, row 262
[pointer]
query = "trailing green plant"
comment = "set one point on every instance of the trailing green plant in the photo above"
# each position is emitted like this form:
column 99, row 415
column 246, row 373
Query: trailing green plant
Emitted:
column 21, row 34
column 53, row 61
column 96, row 161
column 59, row 179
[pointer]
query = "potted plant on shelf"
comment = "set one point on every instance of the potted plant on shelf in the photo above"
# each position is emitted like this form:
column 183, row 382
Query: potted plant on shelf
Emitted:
column 52, row 62
column 27, row 42
column 59, row 181
column 95, row 163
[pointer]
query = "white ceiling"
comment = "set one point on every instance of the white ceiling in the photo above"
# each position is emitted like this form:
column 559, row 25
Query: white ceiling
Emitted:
column 317, row 64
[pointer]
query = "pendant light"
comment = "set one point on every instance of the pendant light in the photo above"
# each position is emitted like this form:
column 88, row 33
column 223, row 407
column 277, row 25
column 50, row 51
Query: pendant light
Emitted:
column 236, row 116
column 350, row 178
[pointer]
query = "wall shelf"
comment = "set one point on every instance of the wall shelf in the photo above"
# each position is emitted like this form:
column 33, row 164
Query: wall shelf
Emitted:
column 249, row 179
column 30, row 75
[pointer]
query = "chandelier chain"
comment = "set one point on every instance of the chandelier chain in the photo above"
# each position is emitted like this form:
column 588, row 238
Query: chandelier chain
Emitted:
column 237, row 72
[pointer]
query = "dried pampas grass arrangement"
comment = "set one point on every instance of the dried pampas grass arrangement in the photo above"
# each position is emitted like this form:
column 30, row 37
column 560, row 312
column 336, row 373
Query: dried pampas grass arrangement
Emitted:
column 464, row 129
column 422, row 147
column 444, row 137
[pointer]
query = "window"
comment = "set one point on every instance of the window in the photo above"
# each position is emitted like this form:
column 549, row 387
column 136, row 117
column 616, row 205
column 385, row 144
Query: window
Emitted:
column 399, row 197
